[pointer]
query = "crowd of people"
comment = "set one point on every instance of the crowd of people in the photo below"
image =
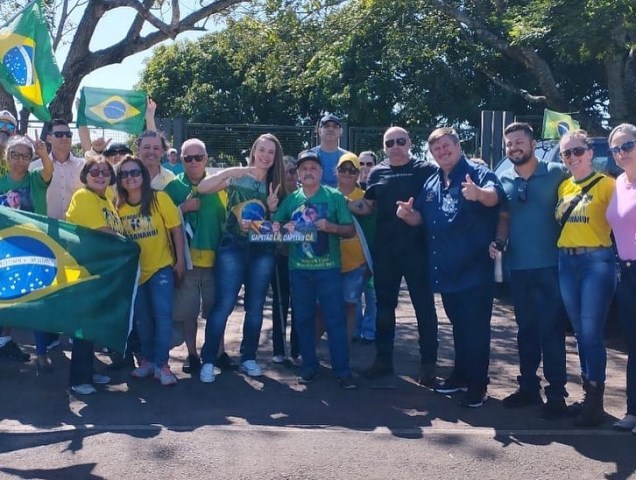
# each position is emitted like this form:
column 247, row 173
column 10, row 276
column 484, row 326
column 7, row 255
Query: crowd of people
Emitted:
column 437, row 225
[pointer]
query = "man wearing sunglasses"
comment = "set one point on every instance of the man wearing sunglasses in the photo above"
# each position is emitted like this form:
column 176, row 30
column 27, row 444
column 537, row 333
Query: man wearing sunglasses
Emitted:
column 8, row 128
column 204, row 216
column 368, row 159
column 529, row 228
column 398, row 253
column 329, row 151
column 458, row 206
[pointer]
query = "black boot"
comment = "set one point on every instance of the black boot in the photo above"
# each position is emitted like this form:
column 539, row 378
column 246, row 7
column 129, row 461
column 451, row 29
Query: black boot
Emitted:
column 592, row 412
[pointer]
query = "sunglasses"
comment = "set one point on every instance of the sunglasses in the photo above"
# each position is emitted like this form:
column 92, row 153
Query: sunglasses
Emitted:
column 112, row 153
column 96, row 172
column 129, row 173
column 196, row 158
column 522, row 190
column 10, row 127
column 576, row 151
column 400, row 141
column 291, row 171
column 367, row 164
column 62, row 134
column 625, row 147
column 20, row 156
column 350, row 170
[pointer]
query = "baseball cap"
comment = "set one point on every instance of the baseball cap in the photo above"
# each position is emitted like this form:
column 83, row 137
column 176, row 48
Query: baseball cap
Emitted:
column 349, row 157
column 117, row 147
column 329, row 118
column 307, row 155
column 7, row 116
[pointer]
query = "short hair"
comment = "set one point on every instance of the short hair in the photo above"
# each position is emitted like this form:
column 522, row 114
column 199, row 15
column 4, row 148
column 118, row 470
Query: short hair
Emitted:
column 16, row 140
column 98, row 160
column 578, row 135
column 289, row 160
column 520, row 127
column 153, row 134
column 172, row 150
column 56, row 122
column 442, row 132
column 193, row 141
column 369, row 153
column 622, row 128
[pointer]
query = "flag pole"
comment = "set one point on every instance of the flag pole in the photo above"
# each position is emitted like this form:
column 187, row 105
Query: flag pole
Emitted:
column 18, row 14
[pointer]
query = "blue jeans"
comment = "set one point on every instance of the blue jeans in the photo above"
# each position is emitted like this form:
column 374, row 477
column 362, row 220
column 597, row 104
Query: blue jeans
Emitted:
column 236, row 265
column 469, row 311
column 153, row 316
column 307, row 286
column 365, row 321
column 627, row 314
column 388, row 273
column 540, row 314
column 587, row 285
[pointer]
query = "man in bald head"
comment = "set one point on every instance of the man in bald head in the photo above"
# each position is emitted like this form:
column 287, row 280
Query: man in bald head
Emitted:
column 398, row 254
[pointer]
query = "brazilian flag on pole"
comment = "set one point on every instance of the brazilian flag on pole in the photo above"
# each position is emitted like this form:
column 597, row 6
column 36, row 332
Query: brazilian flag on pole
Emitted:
column 556, row 124
column 28, row 70
column 59, row 277
column 123, row 110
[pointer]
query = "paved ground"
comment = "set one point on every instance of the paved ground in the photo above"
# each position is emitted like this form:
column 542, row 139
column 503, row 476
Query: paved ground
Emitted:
column 272, row 427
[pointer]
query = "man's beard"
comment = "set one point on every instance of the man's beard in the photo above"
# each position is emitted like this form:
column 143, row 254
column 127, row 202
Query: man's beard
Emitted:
column 525, row 158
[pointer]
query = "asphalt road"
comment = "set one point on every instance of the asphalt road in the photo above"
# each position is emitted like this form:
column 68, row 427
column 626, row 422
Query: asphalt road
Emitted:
column 272, row 427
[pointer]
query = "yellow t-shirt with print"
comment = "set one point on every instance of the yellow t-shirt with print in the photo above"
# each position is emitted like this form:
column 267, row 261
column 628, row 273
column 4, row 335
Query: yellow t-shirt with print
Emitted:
column 90, row 210
column 586, row 226
column 151, row 233
column 351, row 253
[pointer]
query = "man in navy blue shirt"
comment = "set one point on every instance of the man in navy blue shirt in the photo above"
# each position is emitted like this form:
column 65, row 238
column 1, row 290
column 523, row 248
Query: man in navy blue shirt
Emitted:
column 458, row 207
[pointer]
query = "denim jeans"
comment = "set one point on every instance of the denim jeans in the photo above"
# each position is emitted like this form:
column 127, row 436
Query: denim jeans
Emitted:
column 280, row 309
column 365, row 320
column 43, row 340
column 236, row 265
column 539, row 313
column 469, row 311
column 153, row 316
column 388, row 273
column 307, row 286
column 587, row 285
column 627, row 313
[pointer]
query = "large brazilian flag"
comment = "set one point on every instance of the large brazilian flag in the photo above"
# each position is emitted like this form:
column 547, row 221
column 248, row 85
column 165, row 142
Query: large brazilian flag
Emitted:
column 28, row 70
column 123, row 110
column 59, row 277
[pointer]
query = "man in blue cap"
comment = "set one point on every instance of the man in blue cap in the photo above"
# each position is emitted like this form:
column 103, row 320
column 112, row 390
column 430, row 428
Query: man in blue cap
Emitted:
column 329, row 151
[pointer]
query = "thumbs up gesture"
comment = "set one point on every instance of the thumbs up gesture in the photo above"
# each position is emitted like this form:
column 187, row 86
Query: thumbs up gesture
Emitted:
column 470, row 189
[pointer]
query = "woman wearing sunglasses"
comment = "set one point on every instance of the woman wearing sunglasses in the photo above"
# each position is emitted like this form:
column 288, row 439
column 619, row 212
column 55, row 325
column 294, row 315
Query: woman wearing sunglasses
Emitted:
column 621, row 215
column 587, row 268
column 152, row 220
column 253, row 192
column 91, row 208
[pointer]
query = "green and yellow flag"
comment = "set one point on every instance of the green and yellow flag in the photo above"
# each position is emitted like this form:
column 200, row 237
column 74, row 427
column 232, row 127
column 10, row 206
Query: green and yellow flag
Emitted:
column 556, row 124
column 59, row 277
column 123, row 110
column 28, row 70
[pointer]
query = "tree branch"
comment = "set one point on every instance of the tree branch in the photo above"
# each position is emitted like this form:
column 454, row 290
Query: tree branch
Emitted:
column 527, row 96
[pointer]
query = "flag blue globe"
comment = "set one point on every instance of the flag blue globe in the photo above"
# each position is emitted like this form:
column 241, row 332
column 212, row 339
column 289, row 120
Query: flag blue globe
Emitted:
column 19, row 62
column 26, row 265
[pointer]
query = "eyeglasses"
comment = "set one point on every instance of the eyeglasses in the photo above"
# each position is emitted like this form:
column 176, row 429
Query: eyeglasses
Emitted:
column 112, row 153
column 400, row 141
column 132, row 173
column 196, row 158
column 522, row 190
column 576, row 151
column 9, row 127
column 26, row 157
column 368, row 164
column 95, row 172
column 62, row 134
column 291, row 171
column 350, row 170
column 625, row 147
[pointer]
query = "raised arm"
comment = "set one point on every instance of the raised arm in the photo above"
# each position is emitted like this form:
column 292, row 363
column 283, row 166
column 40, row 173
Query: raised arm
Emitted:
column 220, row 180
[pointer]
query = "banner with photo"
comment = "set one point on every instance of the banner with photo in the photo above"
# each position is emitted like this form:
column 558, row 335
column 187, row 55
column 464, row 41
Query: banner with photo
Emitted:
column 290, row 232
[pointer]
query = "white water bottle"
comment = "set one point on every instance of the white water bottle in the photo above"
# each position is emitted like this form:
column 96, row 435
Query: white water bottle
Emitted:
column 499, row 268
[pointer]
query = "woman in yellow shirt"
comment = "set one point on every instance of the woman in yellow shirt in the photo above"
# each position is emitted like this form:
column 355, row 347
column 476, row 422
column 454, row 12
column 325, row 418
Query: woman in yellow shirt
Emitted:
column 152, row 220
column 587, row 267
column 90, row 208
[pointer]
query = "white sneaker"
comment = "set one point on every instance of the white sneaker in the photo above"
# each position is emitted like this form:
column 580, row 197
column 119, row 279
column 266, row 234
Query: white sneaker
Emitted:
column 207, row 375
column 83, row 389
column 145, row 369
column 628, row 422
column 100, row 379
column 251, row 368
column 278, row 359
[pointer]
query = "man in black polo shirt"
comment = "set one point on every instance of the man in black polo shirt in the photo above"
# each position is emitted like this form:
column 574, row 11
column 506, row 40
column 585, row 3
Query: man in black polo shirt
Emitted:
column 398, row 253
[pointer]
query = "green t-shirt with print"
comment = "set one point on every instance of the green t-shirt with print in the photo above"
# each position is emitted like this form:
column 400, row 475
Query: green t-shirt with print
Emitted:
column 246, row 200
column 327, row 203
column 28, row 194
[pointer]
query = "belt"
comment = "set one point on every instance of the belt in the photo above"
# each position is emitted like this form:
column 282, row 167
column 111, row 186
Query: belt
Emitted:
column 581, row 250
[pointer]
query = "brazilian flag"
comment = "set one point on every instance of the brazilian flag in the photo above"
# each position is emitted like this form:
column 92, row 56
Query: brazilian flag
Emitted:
column 123, row 110
column 59, row 277
column 556, row 124
column 28, row 70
